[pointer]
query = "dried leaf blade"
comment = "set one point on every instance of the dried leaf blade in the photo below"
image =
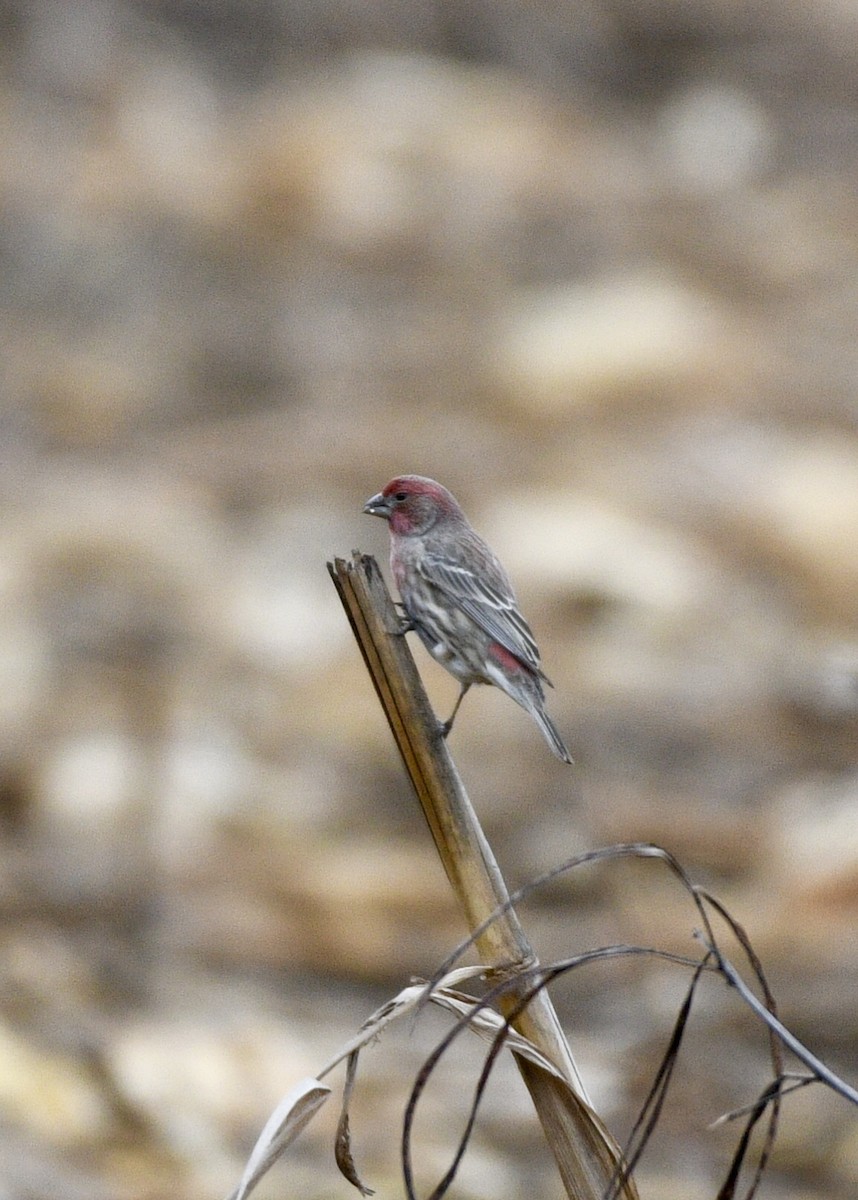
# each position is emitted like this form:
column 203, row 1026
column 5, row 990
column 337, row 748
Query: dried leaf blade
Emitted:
column 292, row 1114
column 343, row 1144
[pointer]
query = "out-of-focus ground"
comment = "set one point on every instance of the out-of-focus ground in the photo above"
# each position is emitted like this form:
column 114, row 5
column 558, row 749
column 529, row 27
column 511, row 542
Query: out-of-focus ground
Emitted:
column 596, row 268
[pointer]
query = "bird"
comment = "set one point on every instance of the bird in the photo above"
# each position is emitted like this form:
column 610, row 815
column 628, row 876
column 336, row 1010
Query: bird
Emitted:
column 459, row 600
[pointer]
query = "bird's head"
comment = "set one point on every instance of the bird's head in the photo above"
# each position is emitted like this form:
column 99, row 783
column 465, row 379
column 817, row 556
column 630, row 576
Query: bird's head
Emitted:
column 412, row 504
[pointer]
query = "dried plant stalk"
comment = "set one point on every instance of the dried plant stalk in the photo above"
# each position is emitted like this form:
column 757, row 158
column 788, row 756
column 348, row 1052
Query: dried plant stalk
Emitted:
column 587, row 1157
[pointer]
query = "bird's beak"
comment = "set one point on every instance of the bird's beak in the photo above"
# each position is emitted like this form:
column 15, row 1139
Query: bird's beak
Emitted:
column 378, row 506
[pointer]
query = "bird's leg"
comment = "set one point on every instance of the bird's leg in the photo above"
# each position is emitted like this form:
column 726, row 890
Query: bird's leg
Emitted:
column 448, row 724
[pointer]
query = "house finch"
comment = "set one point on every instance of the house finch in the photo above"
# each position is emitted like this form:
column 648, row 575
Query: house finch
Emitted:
column 459, row 599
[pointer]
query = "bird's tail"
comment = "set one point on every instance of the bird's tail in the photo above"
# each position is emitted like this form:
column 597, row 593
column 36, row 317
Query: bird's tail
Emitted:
column 524, row 688
column 549, row 732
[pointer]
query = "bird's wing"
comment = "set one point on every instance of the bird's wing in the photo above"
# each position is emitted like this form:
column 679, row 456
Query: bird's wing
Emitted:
column 490, row 603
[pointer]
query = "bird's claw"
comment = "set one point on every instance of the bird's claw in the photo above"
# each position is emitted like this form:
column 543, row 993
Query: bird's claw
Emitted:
column 407, row 625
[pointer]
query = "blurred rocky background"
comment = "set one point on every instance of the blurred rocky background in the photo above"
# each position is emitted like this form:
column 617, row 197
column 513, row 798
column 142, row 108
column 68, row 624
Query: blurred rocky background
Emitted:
column 593, row 266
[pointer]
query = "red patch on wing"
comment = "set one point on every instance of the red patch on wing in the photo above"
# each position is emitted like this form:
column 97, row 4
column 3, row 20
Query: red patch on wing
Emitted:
column 501, row 655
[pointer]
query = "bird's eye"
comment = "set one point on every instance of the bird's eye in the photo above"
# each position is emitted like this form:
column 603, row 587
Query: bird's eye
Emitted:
column 401, row 496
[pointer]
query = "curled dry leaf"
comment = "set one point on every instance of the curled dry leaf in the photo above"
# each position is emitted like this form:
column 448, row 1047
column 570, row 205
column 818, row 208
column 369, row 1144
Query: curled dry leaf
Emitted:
column 300, row 1104
column 295, row 1110
column 343, row 1143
